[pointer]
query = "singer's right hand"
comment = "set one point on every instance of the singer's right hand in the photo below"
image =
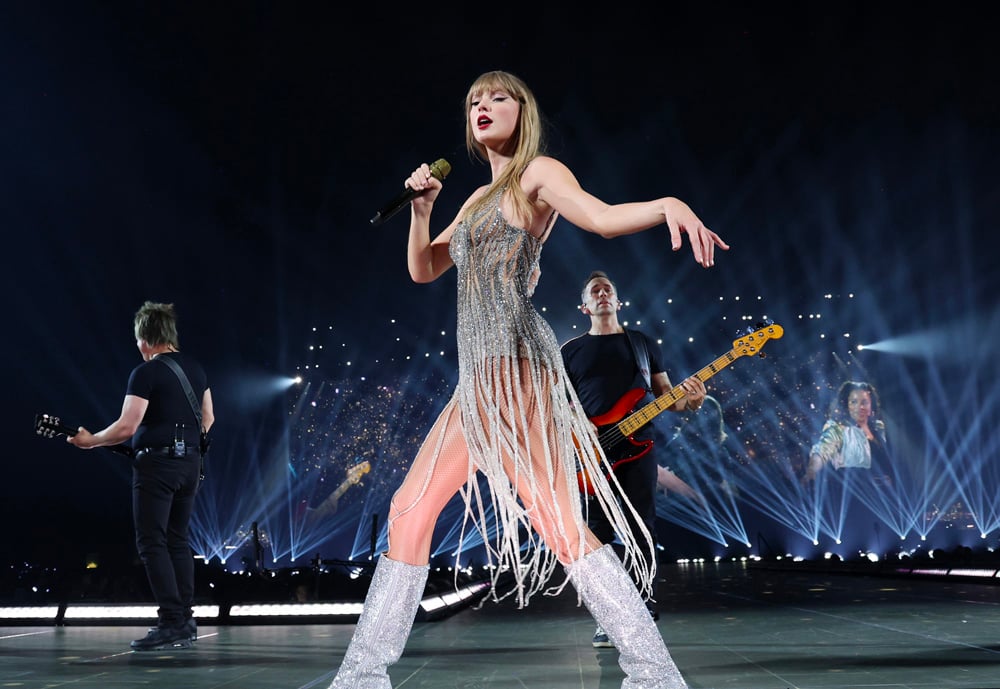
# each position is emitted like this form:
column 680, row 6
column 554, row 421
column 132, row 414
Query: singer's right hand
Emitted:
column 422, row 180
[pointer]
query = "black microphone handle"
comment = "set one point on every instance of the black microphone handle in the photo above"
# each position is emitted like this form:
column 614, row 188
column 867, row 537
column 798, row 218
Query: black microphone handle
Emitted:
column 439, row 170
column 394, row 206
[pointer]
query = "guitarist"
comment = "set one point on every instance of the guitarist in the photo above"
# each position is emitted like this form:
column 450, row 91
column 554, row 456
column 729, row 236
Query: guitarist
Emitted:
column 603, row 365
column 165, row 424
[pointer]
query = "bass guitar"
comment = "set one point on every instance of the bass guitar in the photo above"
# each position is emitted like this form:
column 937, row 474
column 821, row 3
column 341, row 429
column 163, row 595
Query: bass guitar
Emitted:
column 332, row 501
column 616, row 426
column 49, row 426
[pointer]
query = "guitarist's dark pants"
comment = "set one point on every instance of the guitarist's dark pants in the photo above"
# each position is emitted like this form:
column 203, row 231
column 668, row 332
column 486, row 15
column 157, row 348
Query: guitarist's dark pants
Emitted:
column 638, row 481
column 163, row 493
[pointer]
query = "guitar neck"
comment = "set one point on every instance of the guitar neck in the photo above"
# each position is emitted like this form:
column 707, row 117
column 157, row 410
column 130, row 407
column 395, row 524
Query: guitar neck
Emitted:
column 633, row 422
column 340, row 490
column 52, row 427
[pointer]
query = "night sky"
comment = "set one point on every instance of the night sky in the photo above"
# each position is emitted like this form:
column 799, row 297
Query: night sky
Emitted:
column 227, row 157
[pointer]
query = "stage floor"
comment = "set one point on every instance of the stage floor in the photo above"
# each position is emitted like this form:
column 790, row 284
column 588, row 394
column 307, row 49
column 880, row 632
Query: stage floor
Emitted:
column 726, row 627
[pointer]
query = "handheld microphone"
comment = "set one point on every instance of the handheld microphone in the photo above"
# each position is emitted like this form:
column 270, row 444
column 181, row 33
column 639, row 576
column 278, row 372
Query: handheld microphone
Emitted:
column 439, row 170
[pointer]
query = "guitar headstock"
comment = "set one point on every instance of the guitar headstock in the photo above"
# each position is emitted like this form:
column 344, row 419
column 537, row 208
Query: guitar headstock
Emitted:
column 751, row 344
column 49, row 426
column 355, row 473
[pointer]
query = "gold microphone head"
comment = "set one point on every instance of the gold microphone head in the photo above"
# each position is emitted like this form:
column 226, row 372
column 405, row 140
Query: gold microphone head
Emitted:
column 440, row 169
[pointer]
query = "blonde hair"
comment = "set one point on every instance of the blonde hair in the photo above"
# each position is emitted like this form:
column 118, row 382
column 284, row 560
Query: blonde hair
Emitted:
column 526, row 141
column 156, row 323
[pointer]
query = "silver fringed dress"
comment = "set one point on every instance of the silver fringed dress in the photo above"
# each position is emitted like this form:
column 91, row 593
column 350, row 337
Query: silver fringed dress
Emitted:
column 521, row 419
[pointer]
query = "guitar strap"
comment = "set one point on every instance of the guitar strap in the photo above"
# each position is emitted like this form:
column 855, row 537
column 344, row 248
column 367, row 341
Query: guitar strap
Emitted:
column 195, row 406
column 192, row 399
column 641, row 354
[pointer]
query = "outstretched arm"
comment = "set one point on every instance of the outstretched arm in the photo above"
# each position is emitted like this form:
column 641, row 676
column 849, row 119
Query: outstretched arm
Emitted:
column 554, row 184
column 133, row 409
column 823, row 452
column 812, row 468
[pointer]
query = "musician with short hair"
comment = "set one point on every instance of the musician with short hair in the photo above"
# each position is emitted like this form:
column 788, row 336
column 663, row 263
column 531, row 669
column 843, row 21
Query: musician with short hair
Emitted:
column 606, row 366
column 166, row 413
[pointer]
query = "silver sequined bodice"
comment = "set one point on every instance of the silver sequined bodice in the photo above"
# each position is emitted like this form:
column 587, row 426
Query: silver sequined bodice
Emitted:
column 497, row 264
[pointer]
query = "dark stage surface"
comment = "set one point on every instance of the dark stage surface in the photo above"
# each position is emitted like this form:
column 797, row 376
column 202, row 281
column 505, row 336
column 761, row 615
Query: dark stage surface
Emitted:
column 726, row 626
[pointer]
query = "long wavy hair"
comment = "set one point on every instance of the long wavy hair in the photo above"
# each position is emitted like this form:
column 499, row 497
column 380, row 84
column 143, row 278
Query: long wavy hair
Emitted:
column 838, row 409
column 526, row 141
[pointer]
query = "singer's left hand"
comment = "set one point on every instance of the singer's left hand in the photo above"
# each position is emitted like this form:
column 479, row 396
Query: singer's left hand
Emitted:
column 680, row 218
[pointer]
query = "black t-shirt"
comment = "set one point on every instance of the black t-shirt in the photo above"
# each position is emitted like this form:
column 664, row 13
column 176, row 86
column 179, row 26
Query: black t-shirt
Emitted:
column 602, row 368
column 168, row 406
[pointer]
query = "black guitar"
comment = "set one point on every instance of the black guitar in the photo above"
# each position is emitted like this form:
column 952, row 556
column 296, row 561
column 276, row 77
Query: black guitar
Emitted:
column 616, row 426
column 49, row 426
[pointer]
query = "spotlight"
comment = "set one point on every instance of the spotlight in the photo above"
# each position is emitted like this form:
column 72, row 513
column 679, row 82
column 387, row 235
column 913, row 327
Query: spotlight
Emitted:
column 263, row 386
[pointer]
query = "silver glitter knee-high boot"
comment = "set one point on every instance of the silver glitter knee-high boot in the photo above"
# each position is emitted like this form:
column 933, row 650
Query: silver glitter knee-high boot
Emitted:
column 612, row 599
column 383, row 627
